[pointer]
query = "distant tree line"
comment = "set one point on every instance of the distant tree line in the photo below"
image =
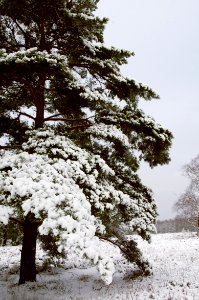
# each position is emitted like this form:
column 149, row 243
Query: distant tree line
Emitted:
column 175, row 225
column 11, row 234
column 187, row 205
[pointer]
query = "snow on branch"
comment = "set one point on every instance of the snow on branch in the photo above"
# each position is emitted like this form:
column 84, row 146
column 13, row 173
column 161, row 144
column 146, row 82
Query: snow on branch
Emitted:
column 60, row 183
column 110, row 132
column 33, row 55
column 43, row 184
column 5, row 213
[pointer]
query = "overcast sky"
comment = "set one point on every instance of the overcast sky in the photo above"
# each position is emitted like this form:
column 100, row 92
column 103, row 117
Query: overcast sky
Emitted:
column 164, row 34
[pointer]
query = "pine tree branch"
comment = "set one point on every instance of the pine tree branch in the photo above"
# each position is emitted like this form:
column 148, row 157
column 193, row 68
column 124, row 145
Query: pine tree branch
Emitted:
column 9, row 43
column 79, row 127
column 19, row 26
column 116, row 244
column 58, row 119
column 17, row 221
column 26, row 35
column 26, row 115
column 9, row 147
column 12, row 30
column 110, row 241
column 53, row 118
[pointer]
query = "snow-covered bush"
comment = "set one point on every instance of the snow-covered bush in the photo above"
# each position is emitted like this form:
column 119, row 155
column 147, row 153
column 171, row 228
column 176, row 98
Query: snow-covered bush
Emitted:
column 62, row 184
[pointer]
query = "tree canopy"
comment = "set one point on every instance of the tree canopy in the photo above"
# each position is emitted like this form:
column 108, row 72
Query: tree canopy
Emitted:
column 76, row 132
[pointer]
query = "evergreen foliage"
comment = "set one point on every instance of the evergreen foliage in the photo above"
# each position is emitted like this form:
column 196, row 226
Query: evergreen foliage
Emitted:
column 75, row 128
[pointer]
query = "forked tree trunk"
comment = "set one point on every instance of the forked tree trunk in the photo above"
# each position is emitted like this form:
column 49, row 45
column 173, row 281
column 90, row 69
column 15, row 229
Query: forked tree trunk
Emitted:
column 28, row 253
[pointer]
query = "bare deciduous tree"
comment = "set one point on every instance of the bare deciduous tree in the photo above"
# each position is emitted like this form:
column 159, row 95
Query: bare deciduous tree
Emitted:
column 187, row 206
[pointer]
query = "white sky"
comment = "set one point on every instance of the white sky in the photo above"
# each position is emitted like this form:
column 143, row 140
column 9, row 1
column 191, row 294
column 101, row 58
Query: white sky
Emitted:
column 165, row 38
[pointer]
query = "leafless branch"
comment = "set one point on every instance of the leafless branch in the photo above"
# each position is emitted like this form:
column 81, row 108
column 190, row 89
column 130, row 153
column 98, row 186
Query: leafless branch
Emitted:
column 26, row 115
column 57, row 119
column 53, row 118
column 9, row 147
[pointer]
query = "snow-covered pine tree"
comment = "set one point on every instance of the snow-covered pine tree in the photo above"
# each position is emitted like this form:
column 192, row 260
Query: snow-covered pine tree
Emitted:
column 76, row 134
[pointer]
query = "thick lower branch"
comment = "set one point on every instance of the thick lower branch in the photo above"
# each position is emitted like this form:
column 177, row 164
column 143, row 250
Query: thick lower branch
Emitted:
column 10, row 147
column 26, row 115
column 54, row 118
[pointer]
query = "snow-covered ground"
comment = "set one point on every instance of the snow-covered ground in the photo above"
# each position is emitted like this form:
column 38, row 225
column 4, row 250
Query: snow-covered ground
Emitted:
column 174, row 258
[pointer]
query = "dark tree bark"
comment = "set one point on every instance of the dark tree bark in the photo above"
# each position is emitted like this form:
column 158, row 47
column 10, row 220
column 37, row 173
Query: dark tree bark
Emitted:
column 39, row 101
column 30, row 226
column 28, row 253
column 5, row 235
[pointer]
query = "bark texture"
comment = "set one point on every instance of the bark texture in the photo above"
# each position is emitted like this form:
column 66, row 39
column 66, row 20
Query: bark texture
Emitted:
column 28, row 265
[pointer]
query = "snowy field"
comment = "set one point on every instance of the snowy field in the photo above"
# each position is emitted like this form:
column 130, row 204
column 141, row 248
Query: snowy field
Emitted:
column 174, row 258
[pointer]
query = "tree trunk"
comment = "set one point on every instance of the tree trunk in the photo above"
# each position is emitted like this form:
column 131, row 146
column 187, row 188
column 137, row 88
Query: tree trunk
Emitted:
column 39, row 100
column 197, row 231
column 30, row 226
column 28, row 253
column 39, row 120
column 5, row 235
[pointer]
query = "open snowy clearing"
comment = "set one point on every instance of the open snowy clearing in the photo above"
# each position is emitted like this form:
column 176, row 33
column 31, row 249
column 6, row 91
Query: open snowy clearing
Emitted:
column 174, row 258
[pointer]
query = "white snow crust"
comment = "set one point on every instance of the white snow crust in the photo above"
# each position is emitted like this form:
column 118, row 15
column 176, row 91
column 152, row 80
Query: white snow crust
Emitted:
column 174, row 258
